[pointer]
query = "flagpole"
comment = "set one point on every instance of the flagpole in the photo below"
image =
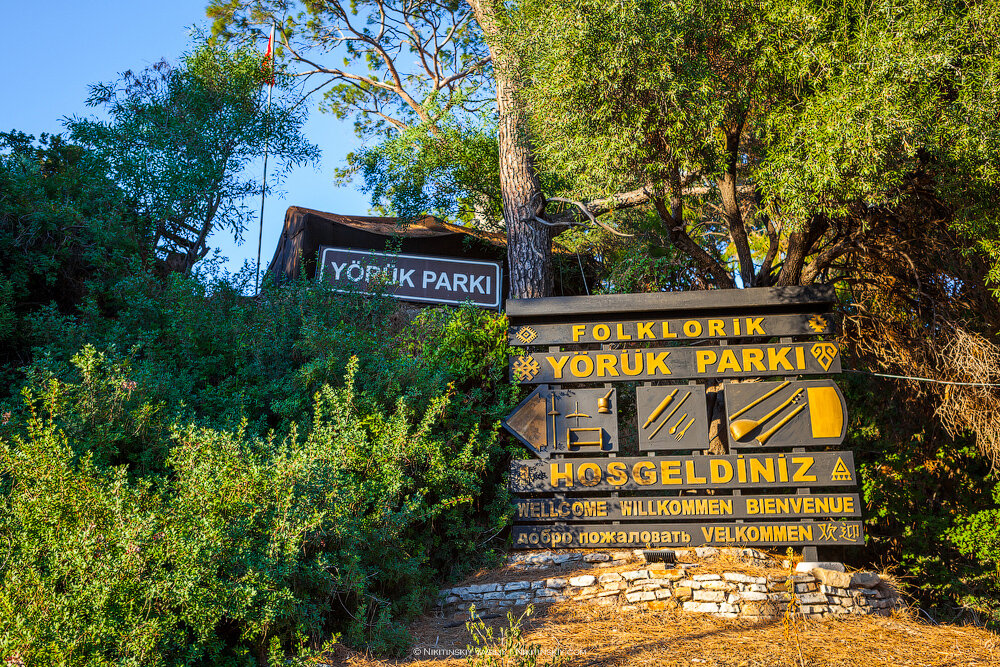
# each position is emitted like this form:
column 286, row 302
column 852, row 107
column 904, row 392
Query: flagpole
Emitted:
column 263, row 187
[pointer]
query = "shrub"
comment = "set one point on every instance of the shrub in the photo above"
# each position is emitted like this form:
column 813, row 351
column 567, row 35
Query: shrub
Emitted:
column 169, row 509
column 930, row 513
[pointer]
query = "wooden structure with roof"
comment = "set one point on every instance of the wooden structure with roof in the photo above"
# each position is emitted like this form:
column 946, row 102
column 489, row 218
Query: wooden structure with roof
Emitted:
column 306, row 230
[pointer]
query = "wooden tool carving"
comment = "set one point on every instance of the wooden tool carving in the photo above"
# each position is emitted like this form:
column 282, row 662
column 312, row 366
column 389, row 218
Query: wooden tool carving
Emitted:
column 741, row 427
column 654, row 415
column 763, row 437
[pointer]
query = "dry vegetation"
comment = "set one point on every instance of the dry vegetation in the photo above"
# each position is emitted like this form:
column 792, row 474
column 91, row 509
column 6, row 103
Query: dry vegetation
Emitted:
column 604, row 637
column 920, row 307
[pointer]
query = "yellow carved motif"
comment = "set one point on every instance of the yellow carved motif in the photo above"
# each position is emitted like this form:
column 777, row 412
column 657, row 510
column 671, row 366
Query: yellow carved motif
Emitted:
column 526, row 335
column 525, row 368
column 840, row 472
column 817, row 323
column 825, row 353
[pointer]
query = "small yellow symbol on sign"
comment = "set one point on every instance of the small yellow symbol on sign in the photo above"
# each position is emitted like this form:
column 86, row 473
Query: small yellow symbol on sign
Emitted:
column 840, row 472
column 851, row 532
column 817, row 323
column 828, row 531
column 526, row 335
column 525, row 368
column 524, row 475
column 825, row 353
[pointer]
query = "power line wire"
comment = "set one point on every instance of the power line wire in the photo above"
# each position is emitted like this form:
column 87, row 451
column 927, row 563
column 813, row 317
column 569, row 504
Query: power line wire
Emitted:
column 920, row 379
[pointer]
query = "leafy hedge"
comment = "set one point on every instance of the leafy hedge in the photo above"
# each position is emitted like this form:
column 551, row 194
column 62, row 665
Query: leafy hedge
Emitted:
column 247, row 476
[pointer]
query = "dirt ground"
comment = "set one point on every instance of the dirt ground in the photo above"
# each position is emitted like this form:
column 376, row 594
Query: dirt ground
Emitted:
column 590, row 636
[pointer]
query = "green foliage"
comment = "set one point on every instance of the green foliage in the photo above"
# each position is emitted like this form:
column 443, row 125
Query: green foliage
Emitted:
column 148, row 523
column 931, row 503
column 837, row 110
column 510, row 649
column 978, row 535
column 179, row 140
column 66, row 231
column 446, row 170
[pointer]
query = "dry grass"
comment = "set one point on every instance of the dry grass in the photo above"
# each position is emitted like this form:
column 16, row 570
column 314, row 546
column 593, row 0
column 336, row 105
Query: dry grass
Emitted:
column 606, row 636
column 730, row 560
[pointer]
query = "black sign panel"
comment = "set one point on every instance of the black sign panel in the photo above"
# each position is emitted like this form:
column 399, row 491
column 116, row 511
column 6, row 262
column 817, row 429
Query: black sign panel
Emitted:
column 845, row 533
column 412, row 277
column 677, row 363
column 672, row 417
column 675, row 330
column 566, row 421
column 684, row 472
column 668, row 508
column 683, row 303
column 782, row 414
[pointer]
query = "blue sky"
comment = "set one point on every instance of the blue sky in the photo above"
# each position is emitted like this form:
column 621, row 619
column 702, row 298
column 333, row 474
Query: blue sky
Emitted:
column 54, row 49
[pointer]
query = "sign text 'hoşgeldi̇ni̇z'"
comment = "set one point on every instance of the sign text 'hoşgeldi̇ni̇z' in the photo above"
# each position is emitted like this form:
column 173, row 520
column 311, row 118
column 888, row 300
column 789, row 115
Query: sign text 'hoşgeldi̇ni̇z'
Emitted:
column 578, row 492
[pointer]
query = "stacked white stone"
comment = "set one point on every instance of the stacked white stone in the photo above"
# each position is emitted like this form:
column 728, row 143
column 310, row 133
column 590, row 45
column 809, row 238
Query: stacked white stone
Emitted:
column 821, row 593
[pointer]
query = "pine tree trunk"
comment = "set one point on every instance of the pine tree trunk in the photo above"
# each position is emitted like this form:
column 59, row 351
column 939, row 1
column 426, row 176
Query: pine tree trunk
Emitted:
column 529, row 243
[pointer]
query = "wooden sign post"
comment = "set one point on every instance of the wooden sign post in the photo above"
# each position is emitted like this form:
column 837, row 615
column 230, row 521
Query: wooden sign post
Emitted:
column 578, row 492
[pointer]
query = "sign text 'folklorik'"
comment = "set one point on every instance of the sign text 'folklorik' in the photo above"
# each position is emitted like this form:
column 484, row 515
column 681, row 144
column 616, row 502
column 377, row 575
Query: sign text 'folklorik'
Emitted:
column 677, row 363
column 533, row 536
column 670, row 329
column 412, row 277
column 688, row 507
column 684, row 472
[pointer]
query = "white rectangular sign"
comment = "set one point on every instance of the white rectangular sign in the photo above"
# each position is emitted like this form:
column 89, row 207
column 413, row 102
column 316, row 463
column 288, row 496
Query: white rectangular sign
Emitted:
column 413, row 277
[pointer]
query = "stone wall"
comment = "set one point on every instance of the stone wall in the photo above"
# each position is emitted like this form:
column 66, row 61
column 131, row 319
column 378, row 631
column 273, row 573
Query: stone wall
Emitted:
column 817, row 593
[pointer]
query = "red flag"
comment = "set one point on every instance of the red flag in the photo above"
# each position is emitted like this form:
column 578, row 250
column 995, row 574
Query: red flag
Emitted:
column 269, row 60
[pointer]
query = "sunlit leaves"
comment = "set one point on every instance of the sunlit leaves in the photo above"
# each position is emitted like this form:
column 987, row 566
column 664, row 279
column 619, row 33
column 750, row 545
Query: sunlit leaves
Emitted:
column 179, row 140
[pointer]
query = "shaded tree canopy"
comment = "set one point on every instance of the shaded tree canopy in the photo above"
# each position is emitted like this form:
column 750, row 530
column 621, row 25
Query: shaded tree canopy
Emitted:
column 791, row 128
column 388, row 64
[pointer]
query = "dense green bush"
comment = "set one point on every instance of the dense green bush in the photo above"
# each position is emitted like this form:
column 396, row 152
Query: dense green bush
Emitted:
column 930, row 503
column 193, row 489
column 179, row 481
column 66, row 231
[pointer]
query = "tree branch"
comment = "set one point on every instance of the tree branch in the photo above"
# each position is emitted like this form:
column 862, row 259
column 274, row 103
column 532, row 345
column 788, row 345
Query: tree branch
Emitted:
column 673, row 220
column 731, row 207
column 590, row 215
column 596, row 207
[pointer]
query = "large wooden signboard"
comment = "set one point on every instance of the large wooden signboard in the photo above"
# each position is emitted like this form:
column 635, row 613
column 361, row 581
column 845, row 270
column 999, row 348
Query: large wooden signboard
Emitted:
column 769, row 490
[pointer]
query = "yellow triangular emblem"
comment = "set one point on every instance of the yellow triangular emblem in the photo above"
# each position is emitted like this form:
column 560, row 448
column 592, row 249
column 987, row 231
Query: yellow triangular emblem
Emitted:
column 840, row 472
column 825, row 353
